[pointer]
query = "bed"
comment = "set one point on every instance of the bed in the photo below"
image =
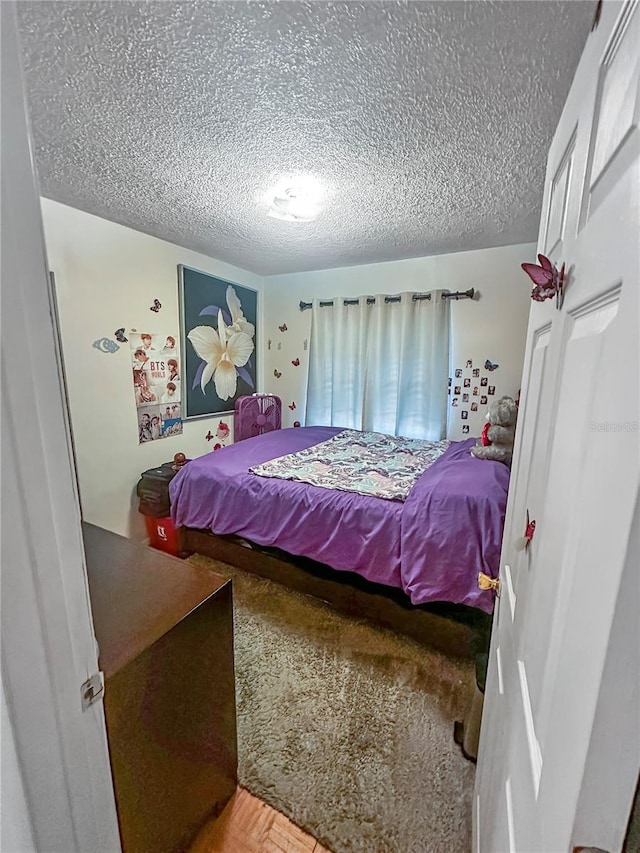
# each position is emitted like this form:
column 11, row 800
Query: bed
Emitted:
column 430, row 546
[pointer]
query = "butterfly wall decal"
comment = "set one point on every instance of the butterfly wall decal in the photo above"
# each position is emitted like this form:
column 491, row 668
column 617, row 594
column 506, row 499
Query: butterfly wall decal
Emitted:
column 296, row 362
column 120, row 336
column 277, row 373
column 292, row 406
column 283, row 327
column 490, row 365
column 209, row 436
column 522, row 544
column 548, row 282
column 157, row 305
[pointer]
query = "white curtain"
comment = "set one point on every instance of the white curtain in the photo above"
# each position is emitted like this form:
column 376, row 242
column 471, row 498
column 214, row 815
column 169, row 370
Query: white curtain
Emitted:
column 381, row 366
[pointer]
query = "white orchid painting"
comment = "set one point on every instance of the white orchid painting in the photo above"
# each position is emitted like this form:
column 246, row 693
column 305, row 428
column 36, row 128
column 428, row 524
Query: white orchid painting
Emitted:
column 219, row 322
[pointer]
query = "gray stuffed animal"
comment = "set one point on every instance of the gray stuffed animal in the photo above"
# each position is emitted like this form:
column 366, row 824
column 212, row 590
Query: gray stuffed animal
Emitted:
column 496, row 441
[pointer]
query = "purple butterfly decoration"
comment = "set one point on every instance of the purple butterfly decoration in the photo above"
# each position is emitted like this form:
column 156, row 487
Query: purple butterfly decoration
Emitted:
column 120, row 336
column 157, row 305
column 548, row 282
column 490, row 365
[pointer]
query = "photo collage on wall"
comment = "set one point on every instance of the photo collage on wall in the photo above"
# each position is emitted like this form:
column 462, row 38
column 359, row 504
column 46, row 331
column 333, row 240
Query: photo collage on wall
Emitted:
column 155, row 364
column 470, row 390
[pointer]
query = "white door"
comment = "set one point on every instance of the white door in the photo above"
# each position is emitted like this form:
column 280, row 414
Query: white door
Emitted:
column 58, row 786
column 557, row 637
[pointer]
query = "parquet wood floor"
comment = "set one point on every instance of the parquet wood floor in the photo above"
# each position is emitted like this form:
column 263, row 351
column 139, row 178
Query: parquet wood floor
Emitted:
column 248, row 825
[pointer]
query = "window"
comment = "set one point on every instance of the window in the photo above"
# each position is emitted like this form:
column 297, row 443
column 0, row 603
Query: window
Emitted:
column 381, row 364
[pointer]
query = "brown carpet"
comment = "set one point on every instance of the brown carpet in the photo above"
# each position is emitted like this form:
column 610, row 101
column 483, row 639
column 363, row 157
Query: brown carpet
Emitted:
column 347, row 728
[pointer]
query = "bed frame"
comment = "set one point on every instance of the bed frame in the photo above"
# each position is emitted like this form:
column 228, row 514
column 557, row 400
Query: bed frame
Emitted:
column 454, row 629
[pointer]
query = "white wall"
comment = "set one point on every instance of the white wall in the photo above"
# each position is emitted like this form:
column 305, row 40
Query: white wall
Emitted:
column 493, row 327
column 107, row 276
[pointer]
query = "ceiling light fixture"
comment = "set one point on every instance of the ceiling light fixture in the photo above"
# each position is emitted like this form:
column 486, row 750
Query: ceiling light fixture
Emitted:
column 295, row 199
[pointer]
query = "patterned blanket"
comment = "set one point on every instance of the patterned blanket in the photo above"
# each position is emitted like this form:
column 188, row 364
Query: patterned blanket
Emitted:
column 369, row 463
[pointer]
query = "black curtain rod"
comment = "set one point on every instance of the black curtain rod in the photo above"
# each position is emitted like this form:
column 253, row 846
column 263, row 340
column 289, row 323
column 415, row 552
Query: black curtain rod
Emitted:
column 417, row 297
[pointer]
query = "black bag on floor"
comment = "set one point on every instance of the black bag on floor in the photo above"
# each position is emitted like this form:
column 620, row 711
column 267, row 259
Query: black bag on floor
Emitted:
column 153, row 490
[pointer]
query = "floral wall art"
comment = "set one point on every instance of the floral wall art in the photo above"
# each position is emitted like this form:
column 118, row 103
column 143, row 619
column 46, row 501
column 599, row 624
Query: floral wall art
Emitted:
column 218, row 323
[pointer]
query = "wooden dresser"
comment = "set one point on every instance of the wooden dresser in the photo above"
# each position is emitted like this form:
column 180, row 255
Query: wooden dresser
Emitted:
column 165, row 635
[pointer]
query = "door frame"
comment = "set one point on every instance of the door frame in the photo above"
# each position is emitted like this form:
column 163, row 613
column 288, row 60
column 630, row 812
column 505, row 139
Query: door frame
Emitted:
column 48, row 643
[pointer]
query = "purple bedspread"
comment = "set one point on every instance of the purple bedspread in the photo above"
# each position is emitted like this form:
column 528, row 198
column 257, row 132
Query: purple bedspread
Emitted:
column 432, row 546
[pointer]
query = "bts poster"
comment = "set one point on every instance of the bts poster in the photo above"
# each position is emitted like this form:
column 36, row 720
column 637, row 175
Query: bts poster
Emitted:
column 155, row 363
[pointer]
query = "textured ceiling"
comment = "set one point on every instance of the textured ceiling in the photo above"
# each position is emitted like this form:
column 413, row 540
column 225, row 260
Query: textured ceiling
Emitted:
column 427, row 122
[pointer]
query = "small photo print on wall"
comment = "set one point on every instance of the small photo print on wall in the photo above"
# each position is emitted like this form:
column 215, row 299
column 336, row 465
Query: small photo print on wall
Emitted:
column 464, row 414
column 491, row 390
column 458, row 372
column 156, row 384
column 475, row 391
column 454, row 402
column 476, row 371
column 171, row 412
column 152, row 343
column 465, row 398
column 149, row 424
column 469, row 363
column 467, row 383
column 457, row 389
column 143, row 389
column 474, row 407
column 172, row 426
column 484, row 381
column 483, row 400
column 465, row 429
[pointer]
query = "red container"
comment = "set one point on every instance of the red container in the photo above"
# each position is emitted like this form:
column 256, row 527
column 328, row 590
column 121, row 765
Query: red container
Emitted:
column 162, row 534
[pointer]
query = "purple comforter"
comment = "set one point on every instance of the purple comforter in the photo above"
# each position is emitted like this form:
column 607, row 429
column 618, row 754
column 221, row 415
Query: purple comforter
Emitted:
column 432, row 546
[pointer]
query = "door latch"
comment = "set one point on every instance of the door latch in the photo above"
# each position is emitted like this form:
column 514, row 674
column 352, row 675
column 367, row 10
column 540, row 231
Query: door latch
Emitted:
column 92, row 690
